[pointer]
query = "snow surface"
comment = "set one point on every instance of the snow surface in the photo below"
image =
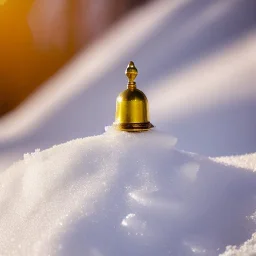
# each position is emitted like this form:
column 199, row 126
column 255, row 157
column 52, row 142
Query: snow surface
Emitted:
column 125, row 194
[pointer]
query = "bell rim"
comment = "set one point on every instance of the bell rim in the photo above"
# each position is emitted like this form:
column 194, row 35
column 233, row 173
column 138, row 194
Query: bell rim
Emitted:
column 133, row 127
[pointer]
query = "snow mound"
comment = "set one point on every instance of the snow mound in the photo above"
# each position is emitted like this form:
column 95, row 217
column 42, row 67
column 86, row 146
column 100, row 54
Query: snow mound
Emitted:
column 123, row 194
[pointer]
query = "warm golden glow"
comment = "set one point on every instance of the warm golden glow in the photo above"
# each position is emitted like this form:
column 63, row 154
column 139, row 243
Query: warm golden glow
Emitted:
column 38, row 37
column 24, row 65
column 2, row 2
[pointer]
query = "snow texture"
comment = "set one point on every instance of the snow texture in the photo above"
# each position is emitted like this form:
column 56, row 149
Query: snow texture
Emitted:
column 125, row 194
column 247, row 161
column 247, row 249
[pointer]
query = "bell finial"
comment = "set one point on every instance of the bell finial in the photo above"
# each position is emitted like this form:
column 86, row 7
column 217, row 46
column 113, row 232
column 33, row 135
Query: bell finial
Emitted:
column 132, row 114
column 131, row 72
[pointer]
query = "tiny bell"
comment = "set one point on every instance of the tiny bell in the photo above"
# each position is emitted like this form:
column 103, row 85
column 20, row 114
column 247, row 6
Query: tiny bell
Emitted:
column 132, row 111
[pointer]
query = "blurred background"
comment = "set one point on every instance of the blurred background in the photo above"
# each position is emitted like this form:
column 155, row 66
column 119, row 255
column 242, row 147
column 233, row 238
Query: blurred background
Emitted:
column 39, row 36
column 62, row 66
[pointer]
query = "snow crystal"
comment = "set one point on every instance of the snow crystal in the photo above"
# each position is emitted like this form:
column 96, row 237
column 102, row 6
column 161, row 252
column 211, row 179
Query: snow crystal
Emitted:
column 247, row 161
column 124, row 194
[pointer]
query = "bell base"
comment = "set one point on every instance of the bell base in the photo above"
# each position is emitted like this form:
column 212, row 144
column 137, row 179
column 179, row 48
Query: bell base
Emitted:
column 133, row 127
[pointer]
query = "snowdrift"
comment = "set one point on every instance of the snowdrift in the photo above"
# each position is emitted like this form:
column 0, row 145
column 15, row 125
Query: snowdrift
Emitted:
column 125, row 194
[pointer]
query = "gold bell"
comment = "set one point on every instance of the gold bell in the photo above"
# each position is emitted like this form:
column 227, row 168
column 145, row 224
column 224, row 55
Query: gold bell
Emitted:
column 132, row 113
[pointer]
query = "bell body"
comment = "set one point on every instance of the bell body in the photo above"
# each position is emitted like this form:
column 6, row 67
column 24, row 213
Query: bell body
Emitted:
column 132, row 111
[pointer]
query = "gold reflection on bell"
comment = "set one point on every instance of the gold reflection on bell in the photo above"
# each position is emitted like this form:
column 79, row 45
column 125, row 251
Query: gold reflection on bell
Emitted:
column 132, row 114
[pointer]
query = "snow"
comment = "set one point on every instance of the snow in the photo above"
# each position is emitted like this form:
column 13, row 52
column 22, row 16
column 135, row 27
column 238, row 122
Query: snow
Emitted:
column 247, row 161
column 124, row 194
column 247, row 249
column 137, row 194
